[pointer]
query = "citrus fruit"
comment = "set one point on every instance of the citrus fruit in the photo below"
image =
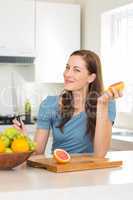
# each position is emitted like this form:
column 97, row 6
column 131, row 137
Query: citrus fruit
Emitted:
column 61, row 156
column 117, row 86
column 2, row 146
column 20, row 145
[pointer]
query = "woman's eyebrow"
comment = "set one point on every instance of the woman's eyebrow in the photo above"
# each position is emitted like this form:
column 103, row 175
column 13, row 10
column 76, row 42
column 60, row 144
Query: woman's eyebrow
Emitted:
column 73, row 66
column 77, row 67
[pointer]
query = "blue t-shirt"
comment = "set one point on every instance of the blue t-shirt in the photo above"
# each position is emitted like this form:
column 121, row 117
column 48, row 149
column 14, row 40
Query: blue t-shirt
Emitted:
column 74, row 139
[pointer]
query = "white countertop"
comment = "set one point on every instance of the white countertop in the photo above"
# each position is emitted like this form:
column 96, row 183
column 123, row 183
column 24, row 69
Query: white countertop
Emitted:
column 123, row 138
column 122, row 134
column 24, row 181
column 31, row 128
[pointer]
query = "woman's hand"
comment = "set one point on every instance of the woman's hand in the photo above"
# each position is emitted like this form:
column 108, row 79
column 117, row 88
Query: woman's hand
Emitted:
column 20, row 126
column 109, row 95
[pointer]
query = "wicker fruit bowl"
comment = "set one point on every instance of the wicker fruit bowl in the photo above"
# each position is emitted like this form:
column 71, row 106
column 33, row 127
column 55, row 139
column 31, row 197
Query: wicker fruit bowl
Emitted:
column 15, row 148
column 11, row 160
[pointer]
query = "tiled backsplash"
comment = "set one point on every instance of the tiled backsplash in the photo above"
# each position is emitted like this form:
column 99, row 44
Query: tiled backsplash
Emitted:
column 16, row 85
column 8, row 72
column 35, row 92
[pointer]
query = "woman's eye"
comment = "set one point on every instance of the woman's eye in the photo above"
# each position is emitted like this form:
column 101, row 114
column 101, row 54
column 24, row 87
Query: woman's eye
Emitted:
column 76, row 70
column 67, row 68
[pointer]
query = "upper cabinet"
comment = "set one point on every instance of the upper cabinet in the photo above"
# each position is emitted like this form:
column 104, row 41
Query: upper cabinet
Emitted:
column 17, row 27
column 57, row 36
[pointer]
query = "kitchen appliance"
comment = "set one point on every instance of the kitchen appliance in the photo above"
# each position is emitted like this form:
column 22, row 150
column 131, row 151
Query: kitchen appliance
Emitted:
column 21, row 60
column 7, row 119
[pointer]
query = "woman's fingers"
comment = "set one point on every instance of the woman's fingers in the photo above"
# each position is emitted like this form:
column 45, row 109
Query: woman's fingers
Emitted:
column 16, row 122
column 19, row 126
column 120, row 94
column 115, row 93
column 109, row 95
column 103, row 99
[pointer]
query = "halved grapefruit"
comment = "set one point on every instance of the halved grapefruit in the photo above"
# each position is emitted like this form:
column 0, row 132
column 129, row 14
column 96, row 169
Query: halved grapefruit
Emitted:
column 61, row 156
column 117, row 86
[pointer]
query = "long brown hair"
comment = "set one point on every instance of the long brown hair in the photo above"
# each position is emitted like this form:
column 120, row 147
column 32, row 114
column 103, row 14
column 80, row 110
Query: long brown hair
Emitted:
column 95, row 89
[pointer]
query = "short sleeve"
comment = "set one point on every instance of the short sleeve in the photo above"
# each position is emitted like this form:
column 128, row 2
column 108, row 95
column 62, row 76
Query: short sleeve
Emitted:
column 43, row 119
column 112, row 110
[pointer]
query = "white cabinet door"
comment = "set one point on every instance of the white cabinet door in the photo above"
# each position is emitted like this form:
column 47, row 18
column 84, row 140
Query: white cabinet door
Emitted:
column 57, row 36
column 17, row 27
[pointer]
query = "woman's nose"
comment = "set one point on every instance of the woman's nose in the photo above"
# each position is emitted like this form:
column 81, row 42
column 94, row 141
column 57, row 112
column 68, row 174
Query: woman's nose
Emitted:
column 69, row 73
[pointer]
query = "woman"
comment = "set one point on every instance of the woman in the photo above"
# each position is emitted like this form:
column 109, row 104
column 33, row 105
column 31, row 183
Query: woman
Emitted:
column 81, row 117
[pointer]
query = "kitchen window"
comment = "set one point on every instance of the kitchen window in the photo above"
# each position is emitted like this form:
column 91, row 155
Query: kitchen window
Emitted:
column 117, row 52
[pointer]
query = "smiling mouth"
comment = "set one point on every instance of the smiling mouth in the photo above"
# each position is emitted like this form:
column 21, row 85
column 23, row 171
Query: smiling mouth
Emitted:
column 67, row 82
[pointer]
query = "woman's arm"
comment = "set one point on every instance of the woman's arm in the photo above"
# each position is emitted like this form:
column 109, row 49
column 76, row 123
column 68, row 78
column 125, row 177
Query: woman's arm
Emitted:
column 41, row 139
column 103, row 130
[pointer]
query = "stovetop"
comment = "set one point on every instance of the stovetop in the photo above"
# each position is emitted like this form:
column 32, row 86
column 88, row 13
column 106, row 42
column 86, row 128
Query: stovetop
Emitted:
column 7, row 120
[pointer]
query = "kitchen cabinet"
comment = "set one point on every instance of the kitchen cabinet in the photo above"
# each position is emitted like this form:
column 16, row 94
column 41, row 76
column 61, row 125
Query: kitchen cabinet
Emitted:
column 17, row 27
column 121, row 145
column 57, row 36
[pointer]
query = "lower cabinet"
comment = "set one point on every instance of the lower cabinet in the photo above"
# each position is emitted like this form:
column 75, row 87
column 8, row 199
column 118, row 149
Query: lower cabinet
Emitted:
column 120, row 145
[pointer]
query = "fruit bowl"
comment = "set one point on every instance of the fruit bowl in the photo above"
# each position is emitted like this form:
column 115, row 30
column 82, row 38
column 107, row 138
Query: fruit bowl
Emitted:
column 11, row 160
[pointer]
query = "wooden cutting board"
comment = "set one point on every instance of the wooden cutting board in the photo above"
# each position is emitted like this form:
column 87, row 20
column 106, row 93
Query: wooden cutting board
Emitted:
column 77, row 163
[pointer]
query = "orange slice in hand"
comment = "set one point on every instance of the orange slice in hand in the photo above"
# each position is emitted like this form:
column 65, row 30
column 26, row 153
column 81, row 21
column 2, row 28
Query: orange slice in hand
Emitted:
column 117, row 86
column 61, row 156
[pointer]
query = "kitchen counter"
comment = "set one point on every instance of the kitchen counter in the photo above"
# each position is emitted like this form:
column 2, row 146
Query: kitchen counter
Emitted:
column 31, row 128
column 122, row 134
column 110, row 184
column 122, row 139
column 128, row 138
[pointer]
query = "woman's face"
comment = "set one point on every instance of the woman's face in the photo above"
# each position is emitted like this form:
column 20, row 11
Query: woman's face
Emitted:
column 76, row 75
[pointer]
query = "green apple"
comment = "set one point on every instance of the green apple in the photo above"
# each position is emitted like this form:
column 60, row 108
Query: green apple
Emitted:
column 6, row 140
column 11, row 132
